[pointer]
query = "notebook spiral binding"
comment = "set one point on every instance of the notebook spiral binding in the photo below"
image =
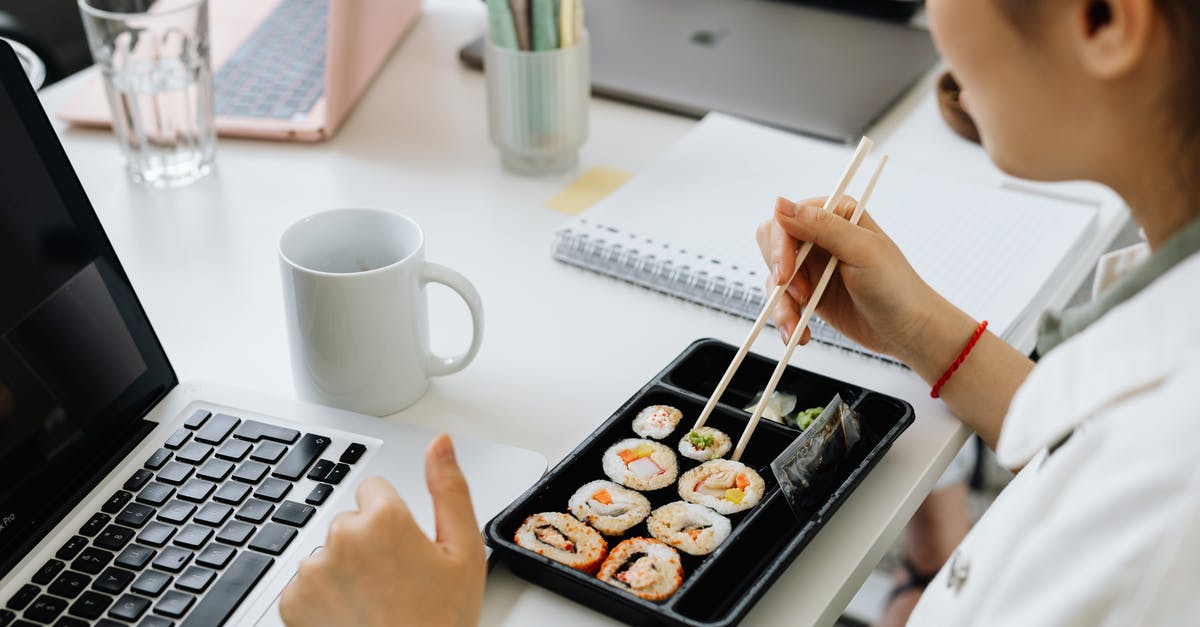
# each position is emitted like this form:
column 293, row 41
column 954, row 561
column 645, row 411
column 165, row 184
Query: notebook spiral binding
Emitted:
column 602, row 252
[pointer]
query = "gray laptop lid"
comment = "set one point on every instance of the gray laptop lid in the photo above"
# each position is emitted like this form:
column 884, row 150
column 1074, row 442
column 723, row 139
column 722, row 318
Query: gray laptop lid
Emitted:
column 808, row 69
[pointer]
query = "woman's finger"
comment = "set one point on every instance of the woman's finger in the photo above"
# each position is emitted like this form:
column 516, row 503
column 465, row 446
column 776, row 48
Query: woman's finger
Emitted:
column 852, row 244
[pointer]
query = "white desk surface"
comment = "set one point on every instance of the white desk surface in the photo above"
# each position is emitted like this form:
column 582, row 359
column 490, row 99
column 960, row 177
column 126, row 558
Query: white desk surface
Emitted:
column 563, row 347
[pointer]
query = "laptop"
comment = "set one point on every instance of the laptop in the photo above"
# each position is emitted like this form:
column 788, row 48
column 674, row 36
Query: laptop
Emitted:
column 127, row 497
column 284, row 69
column 809, row 69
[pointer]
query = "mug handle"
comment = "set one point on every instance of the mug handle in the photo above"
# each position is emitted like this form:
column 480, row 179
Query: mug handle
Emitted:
column 437, row 365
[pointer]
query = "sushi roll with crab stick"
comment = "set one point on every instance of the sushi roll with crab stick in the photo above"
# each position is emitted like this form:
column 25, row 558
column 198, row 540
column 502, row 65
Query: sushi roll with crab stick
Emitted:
column 641, row 464
column 722, row 485
column 608, row 507
column 693, row 529
column 704, row 444
column 656, row 421
column 644, row 567
column 563, row 539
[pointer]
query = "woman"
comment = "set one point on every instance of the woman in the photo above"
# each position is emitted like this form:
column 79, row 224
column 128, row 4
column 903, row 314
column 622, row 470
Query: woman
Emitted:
column 1102, row 524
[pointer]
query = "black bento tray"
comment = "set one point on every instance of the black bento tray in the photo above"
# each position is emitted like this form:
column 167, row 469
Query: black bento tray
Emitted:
column 718, row 589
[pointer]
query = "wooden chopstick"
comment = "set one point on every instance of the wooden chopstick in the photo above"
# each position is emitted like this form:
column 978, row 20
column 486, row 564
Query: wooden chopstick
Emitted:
column 798, row 332
column 860, row 153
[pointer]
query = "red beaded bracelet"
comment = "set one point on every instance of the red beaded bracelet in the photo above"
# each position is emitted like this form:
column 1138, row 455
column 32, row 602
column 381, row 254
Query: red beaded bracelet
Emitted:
column 937, row 387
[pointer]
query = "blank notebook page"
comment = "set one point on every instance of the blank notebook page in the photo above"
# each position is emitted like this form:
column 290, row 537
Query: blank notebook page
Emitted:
column 686, row 224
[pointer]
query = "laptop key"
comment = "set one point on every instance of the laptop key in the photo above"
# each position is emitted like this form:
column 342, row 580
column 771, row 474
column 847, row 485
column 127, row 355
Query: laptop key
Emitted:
column 197, row 419
column 235, row 532
column 273, row 538
column 292, row 513
column 215, row 470
column 197, row 490
column 116, row 502
column 22, row 598
column 193, row 536
column 156, row 534
column 306, row 451
column 91, row 605
column 195, row 580
column 151, row 583
column 159, row 458
column 48, row 572
column 232, row 493
column 129, row 607
column 194, row 453
column 320, row 470
column 92, row 560
column 113, row 580
column 352, row 453
column 69, row 584
column 172, row 559
column 135, row 556
column 174, row 604
column 230, row 589
column 319, row 494
column 269, row 452
column 273, row 489
column 71, row 548
column 254, row 431
column 338, row 473
column 114, row 537
column 155, row 494
column 94, row 524
column 176, row 512
column 139, row 479
column 7, row 617
column 175, row 473
column 178, row 439
column 156, row 621
column 216, row 429
column 213, row 514
column 135, row 515
column 254, row 511
column 234, row 450
column 215, row 555
column 45, row 609
column 251, row 472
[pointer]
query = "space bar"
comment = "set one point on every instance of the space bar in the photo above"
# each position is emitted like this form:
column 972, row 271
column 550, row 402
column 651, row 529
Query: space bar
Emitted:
column 233, row 586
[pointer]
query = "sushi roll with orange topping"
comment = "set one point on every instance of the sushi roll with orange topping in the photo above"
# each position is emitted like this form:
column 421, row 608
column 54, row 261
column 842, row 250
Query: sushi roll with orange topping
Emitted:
column 608, row 507
column 564, row 539
column 644, row 567
column 723, row 485
column 691, row 528
column 641, row 464
column 656, row 421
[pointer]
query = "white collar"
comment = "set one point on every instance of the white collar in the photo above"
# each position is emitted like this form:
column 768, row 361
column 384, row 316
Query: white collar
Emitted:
column 1134, row 347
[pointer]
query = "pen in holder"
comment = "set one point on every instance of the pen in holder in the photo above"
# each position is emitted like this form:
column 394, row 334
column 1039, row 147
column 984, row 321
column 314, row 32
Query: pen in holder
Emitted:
column 538, row 105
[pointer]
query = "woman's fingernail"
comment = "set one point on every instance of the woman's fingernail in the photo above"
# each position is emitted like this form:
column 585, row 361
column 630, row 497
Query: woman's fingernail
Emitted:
column 775, row 274
column 786, row 208
column 784, row 335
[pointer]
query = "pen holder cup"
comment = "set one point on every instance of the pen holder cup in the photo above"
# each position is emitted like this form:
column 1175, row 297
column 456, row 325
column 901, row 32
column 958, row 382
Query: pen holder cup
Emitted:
column 538, row 106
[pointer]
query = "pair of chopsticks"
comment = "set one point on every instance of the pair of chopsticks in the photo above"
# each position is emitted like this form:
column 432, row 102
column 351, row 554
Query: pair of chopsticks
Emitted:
column 777, row 293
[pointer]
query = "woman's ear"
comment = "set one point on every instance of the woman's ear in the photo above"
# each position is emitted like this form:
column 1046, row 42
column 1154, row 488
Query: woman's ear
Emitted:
column 1114, row 36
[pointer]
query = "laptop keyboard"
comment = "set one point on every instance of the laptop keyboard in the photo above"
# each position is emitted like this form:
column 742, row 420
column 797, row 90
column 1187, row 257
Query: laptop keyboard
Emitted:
column 279, row 71
column 191, row 532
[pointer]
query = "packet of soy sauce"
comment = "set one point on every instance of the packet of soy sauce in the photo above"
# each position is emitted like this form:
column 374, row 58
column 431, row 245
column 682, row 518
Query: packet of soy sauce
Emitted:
column 805, row 469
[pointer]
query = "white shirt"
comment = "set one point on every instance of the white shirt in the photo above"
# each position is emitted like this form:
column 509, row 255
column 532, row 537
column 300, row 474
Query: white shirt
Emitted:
column 1106, row 530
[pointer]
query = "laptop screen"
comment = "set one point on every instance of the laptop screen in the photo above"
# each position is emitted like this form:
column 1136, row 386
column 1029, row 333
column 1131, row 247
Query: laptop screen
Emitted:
column 79, row 362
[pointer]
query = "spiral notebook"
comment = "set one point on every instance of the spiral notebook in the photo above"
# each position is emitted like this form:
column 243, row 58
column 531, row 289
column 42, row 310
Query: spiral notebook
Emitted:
column 685, row 225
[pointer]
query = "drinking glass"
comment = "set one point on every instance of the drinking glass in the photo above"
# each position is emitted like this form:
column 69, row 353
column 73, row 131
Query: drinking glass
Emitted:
column 154, row 58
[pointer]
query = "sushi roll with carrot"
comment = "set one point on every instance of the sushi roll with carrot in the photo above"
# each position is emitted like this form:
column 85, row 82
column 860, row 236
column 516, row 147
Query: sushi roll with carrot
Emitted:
column 723, row 485
column 563, row 539
column 608, row 507
column 641, row 464
column 644, row 567
column 656, row 421
column 704, row 444
column 691, row 528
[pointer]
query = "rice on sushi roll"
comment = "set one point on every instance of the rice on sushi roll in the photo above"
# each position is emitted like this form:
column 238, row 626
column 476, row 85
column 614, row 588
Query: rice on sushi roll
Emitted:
column 641, row 464
column 656, row 421
column 722, row 485
column 644, row 567
column 564, row 539
column 609, row 508
column 691, row 528
column 704, row 444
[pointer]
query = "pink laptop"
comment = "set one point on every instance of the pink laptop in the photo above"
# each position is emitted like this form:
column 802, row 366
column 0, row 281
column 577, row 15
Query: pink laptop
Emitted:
column 288, row 69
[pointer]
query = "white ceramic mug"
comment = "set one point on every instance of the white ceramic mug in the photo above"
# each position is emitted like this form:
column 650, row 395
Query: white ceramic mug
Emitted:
column 354, row 289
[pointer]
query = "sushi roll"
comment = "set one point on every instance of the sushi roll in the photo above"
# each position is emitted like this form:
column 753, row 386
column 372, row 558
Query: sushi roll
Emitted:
column 645, row 567
column 704, row 444
column 723, row 485
column 641, row 464
column 564, row 539
column 691, row 528
column 656, row 421
column 609, row 508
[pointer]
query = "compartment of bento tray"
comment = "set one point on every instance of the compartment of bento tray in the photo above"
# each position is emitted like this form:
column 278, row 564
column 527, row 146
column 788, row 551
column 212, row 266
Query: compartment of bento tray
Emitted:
column 703, row 364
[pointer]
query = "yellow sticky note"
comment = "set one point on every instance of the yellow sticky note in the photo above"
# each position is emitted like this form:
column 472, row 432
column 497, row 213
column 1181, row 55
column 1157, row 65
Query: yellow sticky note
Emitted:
column 590, row 188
